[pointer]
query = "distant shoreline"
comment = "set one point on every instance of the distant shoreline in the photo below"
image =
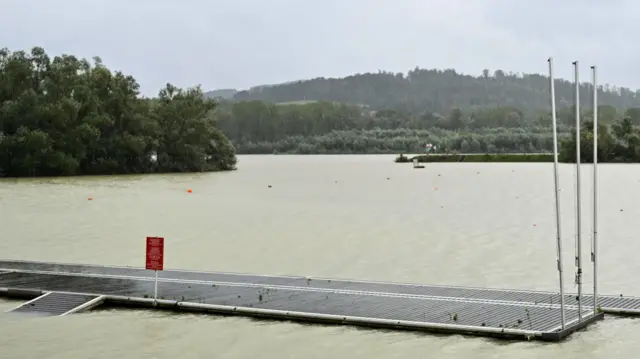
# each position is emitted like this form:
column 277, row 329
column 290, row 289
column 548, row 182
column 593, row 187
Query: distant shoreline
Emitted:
column 489, row 157
column 478, row 157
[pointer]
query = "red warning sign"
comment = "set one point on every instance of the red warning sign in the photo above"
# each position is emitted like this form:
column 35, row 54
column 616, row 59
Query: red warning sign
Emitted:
column 155, row 253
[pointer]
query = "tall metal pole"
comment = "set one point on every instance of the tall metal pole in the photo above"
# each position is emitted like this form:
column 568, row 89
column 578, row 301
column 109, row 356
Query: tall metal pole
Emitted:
column 594, row 242
column 578, row 202
column 557, row 189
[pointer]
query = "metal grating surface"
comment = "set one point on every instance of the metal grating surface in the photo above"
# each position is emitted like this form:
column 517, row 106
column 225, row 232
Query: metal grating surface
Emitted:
column 607, row 303
column 54, row 303
column 310, row 300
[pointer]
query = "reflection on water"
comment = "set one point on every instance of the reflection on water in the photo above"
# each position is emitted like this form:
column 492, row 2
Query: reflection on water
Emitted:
column 337, row 216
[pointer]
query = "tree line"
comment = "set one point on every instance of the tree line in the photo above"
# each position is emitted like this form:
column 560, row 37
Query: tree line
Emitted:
column 437, row 91
column 68, row 116
column 258, row 127
column 617, row 142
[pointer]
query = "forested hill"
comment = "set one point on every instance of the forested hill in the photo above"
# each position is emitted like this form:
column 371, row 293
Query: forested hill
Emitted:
column 438, row 91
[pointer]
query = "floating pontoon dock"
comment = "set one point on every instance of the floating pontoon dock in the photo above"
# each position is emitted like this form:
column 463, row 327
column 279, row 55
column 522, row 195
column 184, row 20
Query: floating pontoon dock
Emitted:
column 59, row 289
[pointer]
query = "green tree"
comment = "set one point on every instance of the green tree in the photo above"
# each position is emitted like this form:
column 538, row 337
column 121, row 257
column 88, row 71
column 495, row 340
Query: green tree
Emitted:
column 188, row 140
column 66, row 116
column 616, row 143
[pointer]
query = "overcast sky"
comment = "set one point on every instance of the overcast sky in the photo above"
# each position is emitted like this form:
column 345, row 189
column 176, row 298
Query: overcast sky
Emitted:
column 241, row 43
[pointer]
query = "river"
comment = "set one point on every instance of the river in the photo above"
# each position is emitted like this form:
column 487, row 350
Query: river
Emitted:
column 362, row 217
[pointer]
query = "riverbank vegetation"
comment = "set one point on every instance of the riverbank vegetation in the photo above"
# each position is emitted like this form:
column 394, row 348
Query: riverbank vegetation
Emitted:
column 259, row 128
column 68, row 116
column 329, row 128
column 618, row 142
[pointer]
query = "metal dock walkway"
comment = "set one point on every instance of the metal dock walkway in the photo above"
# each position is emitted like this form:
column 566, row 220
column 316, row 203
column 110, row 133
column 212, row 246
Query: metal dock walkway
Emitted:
column 58, row 303
column 490, row 312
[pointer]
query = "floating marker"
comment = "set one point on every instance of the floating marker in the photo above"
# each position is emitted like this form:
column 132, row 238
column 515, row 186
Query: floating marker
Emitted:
column 189, row 190
column 90, row 199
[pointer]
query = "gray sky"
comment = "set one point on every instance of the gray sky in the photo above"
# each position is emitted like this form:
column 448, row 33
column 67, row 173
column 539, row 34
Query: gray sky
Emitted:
column 241, row 43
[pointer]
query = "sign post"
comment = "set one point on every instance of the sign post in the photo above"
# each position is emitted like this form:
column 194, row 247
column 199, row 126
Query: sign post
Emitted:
column 155, row 259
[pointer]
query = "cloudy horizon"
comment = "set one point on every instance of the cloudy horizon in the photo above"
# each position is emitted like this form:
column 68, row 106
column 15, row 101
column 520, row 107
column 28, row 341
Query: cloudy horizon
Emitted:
column 243, row 43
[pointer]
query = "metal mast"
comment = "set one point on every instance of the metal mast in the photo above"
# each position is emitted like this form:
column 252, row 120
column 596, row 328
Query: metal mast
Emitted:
column 578, row 202
column 594, row 241
column 557, row 189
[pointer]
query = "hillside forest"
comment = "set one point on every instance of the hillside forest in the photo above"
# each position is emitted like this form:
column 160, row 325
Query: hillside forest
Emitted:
column 400, row 113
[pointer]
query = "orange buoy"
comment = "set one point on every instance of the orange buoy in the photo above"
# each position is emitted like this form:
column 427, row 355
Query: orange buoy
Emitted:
column 90, row 199
column 189, row 190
